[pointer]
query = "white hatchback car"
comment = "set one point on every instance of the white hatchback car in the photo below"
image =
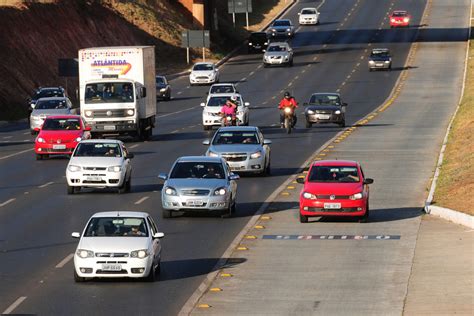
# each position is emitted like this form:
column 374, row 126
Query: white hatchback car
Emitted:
column 118, row 244
column 309, row 16
column 211, row 112
column 99, row 163
column 204, row 73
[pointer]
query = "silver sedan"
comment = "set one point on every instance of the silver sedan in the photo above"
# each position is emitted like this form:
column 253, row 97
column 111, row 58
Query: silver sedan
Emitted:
column 243, row 147
column 198, row 183
column 278, row 53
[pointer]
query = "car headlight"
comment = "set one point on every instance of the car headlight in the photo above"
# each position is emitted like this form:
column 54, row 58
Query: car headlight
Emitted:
column 212, row 154
column 114, row 169
column 392, row 20
column 288, row 30
column 287, row 110
column 88, row 113
column 406, row 20
column 337, row 112
column 310, row 112
column 40, row 140
column 387, row 61
column 78, row 139
column 240, row 113
column 274, row 30
column 170, row 191
column 256, row 155
column 356, row 196
column 83, row 253
column 142, row 253
column 130, row 112
column 250, row 43
column 371, row 62
column 265, row 43
column 220, row 191
column 163, row 90
column 74, row 168
column 309, row 196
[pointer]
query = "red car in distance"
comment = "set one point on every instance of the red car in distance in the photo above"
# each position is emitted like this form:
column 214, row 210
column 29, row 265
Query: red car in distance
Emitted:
column 399, row 18
column 59, row 135
column 335, row 188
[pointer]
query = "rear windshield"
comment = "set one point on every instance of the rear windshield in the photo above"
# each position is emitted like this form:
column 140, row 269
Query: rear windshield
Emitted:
column 197, row 170
column 61, row 124
column 116, row 227
column 98, row 150
column 226, row 138
column 334, row 174
column 51, row 105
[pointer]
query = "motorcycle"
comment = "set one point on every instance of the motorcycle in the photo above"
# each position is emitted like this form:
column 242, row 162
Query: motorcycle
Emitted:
column 289, row 121
column 229, row 120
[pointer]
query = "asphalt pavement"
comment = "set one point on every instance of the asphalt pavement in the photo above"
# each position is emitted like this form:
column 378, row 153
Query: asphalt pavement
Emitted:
column 37, row 216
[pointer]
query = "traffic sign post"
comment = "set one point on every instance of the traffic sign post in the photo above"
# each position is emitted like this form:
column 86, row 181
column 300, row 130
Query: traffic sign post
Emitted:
column 195, row 39
column 240, row 6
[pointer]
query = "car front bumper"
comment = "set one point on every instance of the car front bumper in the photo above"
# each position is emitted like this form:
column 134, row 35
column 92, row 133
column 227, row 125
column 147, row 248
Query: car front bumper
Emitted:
column 202, row 80
column 55, row 149
column 322, row 207
column 324, row 118
column 112, row 127
column 245, row 163
column 96, row 179
column 308, row 21
column 195, row 203
column 276, row 61
column 382, row 65
column 129, row 267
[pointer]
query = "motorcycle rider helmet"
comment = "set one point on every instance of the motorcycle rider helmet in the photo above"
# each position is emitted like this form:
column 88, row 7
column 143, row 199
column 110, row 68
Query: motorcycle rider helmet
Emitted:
column 233, row 98
column 287, row 95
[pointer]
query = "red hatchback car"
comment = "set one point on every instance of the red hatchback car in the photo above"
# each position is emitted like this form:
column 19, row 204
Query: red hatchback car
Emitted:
column 59, row 135
column 399, row 18
column 335, row 188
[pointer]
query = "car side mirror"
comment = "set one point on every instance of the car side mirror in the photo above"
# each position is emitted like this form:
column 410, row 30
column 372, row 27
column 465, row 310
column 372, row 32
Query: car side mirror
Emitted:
column 163, row 176
column 76, row 235
column 246, row 103
column 300, row 180
column 88, row 128
column 32, row 106
column 206, row 142
column 264, row 50
column 143, row 92
column 368, row 181
column 267, row 142
column 299, row 13
column 234, row 176
column 36, row 129
column 130, row 155
column 158, row 235
column 203, row 104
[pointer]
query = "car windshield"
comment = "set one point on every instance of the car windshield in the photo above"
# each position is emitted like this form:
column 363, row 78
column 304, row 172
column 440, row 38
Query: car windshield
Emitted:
column 281, row 23
column 334, row 174
column 116, row 92
column 51, row 104
column 116, row 227
column 222, row 89
column 277, row 48
column 98, row 150
column 235, row 137
column 51, row 124
column 160, row 80
column 219, row 101
column 197, row 170
column 308, row 11
column 380, row 54
column 203, row 67
column 47, row 93
column 399, row 14
column 324, row 99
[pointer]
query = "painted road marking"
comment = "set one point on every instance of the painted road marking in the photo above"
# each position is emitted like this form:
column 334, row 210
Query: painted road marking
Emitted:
column 7, row 137
column 179, row 92
column 45, row 185
column 26, row 133
column 63, row 262
column 142, row 200
column 15, row 304
column 332, row 237
column 7, row 202
column 165, row 115
column 134, row 146
column 18, row 153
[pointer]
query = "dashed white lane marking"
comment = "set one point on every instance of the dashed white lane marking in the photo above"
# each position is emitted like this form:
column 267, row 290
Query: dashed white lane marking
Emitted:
column 15, row 154
column 273, row 125
column 7, row 202
column 179, row 92
column 290, row 84
column 142, row 200
column 15, row 304
column 296, row 77
column 63, row 262
column 252, row 73
column 7, row 137
column 26, row 133
column 243, row 79
column 45, row 185
column 26, row 140
column 134, row 146
column 165, row 115
column 175, row 131
column 274, row 97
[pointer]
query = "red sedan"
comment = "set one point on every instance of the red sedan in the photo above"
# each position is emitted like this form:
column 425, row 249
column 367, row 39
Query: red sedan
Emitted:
column 335, row 188
column 399, row 18
column 59, row 135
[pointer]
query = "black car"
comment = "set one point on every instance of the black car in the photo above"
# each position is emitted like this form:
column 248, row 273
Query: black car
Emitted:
column 380, row 58
column 325, row 108
column 258, row 42
column 163, row 89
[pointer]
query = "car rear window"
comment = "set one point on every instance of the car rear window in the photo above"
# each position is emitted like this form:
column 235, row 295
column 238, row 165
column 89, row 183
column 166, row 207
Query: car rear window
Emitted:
column 398, row 14
column 116, row 227
column 334, row 174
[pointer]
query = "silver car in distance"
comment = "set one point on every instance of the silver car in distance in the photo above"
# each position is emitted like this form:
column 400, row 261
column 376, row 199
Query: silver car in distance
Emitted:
column 278, row 53
column 243, row 147
column 199, row 183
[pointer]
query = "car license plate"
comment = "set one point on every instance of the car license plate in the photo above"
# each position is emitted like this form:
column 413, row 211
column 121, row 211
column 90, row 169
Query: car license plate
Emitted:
column 379, row 65
column 332, row 206
column 109, row 127
column 324, row 117
column 59, row 146
column 111, row 267
column 194, row 202
column 94, row 179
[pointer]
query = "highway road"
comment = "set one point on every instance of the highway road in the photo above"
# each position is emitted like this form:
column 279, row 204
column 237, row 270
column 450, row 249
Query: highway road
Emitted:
column 37, row 216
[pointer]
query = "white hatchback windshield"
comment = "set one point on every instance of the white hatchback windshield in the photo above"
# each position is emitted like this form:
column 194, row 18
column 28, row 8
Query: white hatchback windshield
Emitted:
column 116, row 227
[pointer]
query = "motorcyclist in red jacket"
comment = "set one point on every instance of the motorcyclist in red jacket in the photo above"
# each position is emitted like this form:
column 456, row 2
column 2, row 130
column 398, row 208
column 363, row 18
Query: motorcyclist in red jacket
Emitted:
column 287, row 101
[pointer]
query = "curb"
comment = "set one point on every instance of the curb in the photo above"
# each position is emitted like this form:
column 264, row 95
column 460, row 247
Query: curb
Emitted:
column 451, row 215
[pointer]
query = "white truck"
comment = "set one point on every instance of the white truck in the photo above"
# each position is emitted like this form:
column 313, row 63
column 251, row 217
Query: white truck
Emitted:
column 117, row 90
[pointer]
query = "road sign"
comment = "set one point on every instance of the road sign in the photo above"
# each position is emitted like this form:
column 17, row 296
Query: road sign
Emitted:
column 239, row 6
column 195, row 39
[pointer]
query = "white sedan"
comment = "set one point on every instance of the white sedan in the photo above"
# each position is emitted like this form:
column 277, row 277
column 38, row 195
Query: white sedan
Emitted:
column 204, row 73
column 211, row 112
column 99, row 163
column 118, row 244
column 309, row 16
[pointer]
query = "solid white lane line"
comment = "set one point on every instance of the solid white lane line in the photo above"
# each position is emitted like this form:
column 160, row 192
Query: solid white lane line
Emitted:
column 142, row 200
column 45, row 185
column 15, row 304
column 63, row 262
column 175, row 131
column 15, row 154
column 134, row 146
column 179, row 92
column 6, row 137
column 7, row 202
column 26, row 133
column 168, row 114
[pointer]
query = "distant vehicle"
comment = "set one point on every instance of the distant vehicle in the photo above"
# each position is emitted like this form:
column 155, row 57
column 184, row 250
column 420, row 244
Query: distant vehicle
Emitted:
column 335, row 188
column 243, row 147
column 325, row 108
column 278, row 53
column 199, row 184
column 222, row 88
column 99, row 163
column 399, row 18
column 380, row 58
column 118, row 91
column 204, row 73
column 45, row 107
column 282, row 28
column 258, row 42
column 309, row 16
column 163, row 88
column 211, row 115
column 45, row 92
column 116, row 245
column 59, row 135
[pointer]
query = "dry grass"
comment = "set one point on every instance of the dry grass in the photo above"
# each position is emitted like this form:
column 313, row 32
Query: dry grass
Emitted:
column 455, row 188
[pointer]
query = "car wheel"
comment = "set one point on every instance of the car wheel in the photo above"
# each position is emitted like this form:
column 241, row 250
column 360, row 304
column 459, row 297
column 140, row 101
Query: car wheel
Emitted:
column 308, row 124
column 365, row 218
column 123, row 188
column 303, row 218
column 343, row 123
column 77, row 278
column 228, row 212
column 128, row 185
column 268, row 169
column 158, row 268
column 265, row 65
column 291, row 63
column 151, row 277
column 39, row 157
column 70, row 189
column 166, row 214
